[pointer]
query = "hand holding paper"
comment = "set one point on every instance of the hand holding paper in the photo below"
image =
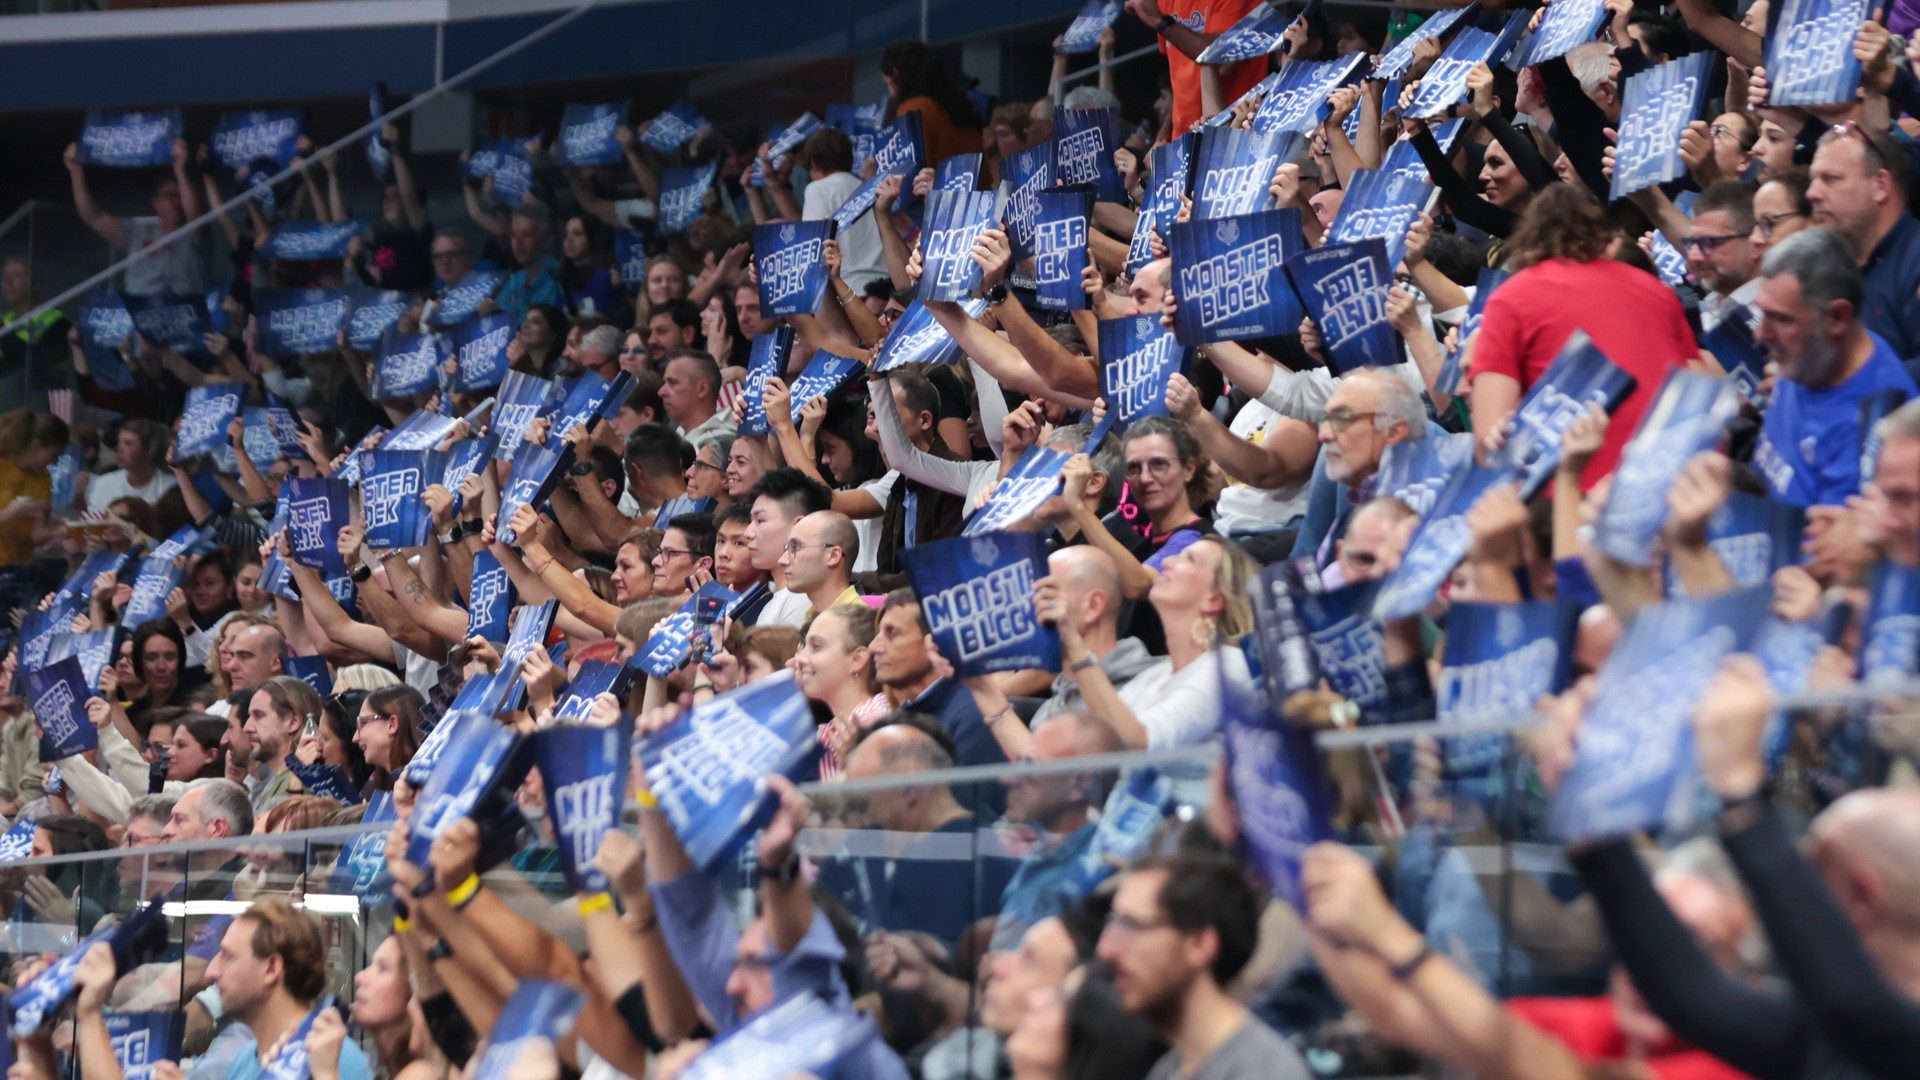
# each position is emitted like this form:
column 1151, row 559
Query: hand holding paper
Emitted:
column 1728, row 727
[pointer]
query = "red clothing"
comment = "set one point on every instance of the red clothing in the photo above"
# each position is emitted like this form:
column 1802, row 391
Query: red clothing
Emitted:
column 1590, row 1028
column 1630, row 315
column 1206, row 17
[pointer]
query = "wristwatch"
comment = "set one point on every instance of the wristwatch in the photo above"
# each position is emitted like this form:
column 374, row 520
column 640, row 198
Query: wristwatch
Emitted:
column 1165, row 21
column 580, row 468
column 997, row 295
column 785, row 873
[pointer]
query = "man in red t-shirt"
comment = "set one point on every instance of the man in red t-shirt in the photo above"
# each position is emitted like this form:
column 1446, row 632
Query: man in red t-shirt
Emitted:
column 1633, row 318
column 1186, row 27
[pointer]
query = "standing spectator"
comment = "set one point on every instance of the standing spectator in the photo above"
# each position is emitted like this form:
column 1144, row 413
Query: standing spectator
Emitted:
column 530, row 237
column 179, row 266
column 1561, row 250
column 1181, row 929
column 918, row 82
column 830, row 179
column 585, row 270
column 1810, row 322
column 1186, row 28
column 138, row 450
column 401, row 254
column 1859, row 187
column 271, row 968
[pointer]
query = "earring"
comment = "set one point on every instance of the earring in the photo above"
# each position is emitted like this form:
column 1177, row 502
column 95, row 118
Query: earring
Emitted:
column 1203, row 631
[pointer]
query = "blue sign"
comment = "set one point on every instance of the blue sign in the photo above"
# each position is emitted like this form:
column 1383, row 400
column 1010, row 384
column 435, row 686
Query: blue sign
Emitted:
column 1138, row 357
column 1580, row 376
column 480, row 350
column 317, row 510
column 519, row 400
column 1636, row 746
column 594, row 677
column 173, row 322
column 1060, row 254
column 379, row 154
column 1023, row 177
column 1416, row 471
column 421, row 430
column 1379, row 204
column 708, row 768
column 33, row 1006
column 409, row 365
column 1083, row 144
column 505, row 162
column 1033, row 480
column 1810, row 52
column 790, row 260
column 1297, row 100
column 536, row 469
column 961, row 172
column 954, row 220
column 300, row 322
column 1756, row 536
column 1344, row 290
column 976, row 595
column 1491, row 279
column 375, row 311
column 1445, row 83
column 391, row 482
column 683, row 195
column 585, row 773
column 673, row 128
column 312, row 670
column 1656, row 107
column 1500, row 659
column 463, row 299
column 1231, row 171
column 917, row 338
column 78, row 589
column 1731, row 343
column 537, row 1010
column 587, row 134
column 105, row 325
column 1689, row 415
column 129, row 140
column 1083, row 33
column 630, row 258
column 1229, row 276
column 17, row 842
column 590, row 400
column 1890, row 636
column 63, row 494
column 362, row 869
column 324, row 780
column 1348, row 643
column 1441, row 541
column 474, row 777
column 1160, row 203
column 1258, row 33
column 490, row 598
column 1274, row 773
column 856, row 205
column 290, row 1062
column 803, row 1035
column 1396, row 60
column 782, row 142
column 312, row 241
column 1566, row 25
column 1874, row 408
column 157, row 577
column 671, row 643
column 242, row 138
column 93, row 648
column 1402, row 159
column 209, row 409
column 57, row 694
column 825, row 373
column 767, row 360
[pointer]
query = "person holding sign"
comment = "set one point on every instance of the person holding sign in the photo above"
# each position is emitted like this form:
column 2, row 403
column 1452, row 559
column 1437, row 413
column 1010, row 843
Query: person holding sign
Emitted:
column 179, row 266
column 271, row 970
column 1166, row 474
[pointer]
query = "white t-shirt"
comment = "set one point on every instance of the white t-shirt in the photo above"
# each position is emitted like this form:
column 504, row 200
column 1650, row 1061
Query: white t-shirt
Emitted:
column 861, row 259
column 178, row 267
column 787, row 608
column 1246, row 509
column 1180, row 709
column 103, row 490
column 868, row 529
column 632, row 210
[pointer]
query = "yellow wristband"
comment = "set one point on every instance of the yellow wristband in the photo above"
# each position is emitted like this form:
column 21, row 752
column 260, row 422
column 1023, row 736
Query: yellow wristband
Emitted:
column 593, row 902
column 402, row 924
column 460, row 894
column 645, row 799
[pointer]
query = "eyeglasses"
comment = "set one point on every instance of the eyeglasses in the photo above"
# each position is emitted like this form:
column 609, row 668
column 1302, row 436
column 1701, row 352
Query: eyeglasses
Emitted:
column 371, row 717
column 1707, row 245
column 698, row 464
column 1341, row 419
column 1124, row 925
column 439, row 255
column 1361, row 558
column 795, row 547
column 674, row 553
column 1152, row 467
column 633, row 350
column 1770, row 222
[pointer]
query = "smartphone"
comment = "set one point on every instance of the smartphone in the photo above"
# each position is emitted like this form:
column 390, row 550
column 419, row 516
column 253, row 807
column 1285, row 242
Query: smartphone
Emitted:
column 706, row 615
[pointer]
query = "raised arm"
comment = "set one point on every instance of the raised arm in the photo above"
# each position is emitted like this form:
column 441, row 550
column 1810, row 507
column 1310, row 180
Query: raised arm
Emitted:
column 110, row 228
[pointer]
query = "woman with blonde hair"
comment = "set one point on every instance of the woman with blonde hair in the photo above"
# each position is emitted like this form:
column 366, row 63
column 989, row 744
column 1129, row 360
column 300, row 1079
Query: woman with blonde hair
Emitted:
column 834, row 668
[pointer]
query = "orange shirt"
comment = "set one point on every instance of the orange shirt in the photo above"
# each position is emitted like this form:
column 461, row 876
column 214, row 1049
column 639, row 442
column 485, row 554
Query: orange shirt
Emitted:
column 1206, row 17
column 943, row 138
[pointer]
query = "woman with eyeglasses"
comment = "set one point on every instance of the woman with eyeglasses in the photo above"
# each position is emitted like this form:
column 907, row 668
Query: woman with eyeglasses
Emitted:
column 707, row 476
column 334, row 745
column 1780, row 209
column 1077, row 1029
column 1167, row 478
column 388, row 733
column 834, row 668
column 1202, row 601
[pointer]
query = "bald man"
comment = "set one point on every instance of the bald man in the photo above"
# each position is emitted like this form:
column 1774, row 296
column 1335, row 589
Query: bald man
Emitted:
column 1088, row 583
column 818, row 560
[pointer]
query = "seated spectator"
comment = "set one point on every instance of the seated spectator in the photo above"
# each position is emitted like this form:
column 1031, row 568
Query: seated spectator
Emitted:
column 833, row 665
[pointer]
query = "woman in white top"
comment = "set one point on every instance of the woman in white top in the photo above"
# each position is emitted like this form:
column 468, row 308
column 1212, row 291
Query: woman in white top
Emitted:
column 1202, row 600
column 834, row 668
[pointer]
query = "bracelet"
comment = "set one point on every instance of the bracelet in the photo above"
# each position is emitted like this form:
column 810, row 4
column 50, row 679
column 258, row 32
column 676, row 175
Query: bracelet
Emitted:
column 1404, row 970
column 999, row 716
column 1084, row 663
column 462, row 894
column 699, row 686
column 439, row 950
column 541, row 569
column 594, row 902
column 646, row 799
column 402, row 924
